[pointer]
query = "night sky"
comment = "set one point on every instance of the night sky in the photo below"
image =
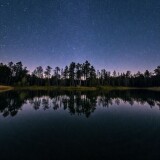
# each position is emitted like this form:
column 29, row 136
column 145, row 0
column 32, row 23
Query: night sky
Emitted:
column 113, row 34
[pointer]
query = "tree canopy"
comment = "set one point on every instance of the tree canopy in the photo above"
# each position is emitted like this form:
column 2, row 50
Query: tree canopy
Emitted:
column 75, row 74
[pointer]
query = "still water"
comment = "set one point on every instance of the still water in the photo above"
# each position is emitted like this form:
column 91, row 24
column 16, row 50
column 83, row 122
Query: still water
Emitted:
column 80, row 125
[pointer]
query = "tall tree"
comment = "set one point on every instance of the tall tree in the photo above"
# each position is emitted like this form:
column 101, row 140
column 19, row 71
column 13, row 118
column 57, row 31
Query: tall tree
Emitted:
column 57, row 74
column 47, row 72
column 5, row 74
column 66, row 72
column 66, row 75
column 147, row 74
column 157, row 71
column 38, row 72
column 92, row 76
column 79, row 72
column 86, row 70
column 20, row 72
column 72, row 73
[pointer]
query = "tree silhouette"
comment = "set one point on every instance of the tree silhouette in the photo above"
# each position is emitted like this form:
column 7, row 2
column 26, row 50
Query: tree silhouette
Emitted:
column 5, row 74
column 75, row 74
column 157, row 71
column 38, row 72
column 47, row 74
column 72, row 73
column 56, row 74
column 66, row 74
column 79, row 73
column 86, row 70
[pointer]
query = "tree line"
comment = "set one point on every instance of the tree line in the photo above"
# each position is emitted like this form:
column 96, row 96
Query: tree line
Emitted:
column 75, row 74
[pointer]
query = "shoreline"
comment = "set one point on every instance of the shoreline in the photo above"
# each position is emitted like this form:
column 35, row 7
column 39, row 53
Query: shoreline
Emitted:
column 5, row 88
column 78, row 88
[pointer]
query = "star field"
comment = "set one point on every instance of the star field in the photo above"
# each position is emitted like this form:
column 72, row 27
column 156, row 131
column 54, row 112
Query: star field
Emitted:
column 113, row 34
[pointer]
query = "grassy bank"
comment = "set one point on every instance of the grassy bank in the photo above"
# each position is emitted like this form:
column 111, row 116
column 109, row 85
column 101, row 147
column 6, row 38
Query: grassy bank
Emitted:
column 107, row 88
column 153, row 88
column 5, row 88
column 50, row 88
column 55, row 88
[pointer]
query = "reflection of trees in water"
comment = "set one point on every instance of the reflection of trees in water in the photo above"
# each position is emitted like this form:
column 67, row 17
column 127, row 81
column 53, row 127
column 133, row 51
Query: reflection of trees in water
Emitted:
column 104, row 101
column 11, row 103
column 80, row 104
column 77, row 103
column 36, row 103
column 57, row 102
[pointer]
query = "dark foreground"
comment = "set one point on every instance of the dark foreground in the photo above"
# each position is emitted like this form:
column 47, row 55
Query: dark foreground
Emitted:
column 80, row 125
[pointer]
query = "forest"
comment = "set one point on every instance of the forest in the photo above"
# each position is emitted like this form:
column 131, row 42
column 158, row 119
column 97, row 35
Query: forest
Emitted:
column 75, row 74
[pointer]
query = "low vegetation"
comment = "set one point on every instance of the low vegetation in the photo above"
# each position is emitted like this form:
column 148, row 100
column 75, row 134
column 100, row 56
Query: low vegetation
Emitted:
column 78, row 88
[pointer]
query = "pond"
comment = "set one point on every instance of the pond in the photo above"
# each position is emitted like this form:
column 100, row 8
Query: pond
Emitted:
column 80, row 125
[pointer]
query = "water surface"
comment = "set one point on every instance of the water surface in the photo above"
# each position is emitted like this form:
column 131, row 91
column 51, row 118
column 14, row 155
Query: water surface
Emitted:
column 79, row 125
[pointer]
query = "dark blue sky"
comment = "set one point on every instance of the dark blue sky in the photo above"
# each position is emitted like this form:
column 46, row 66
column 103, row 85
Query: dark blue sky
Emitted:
column 113, row 34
